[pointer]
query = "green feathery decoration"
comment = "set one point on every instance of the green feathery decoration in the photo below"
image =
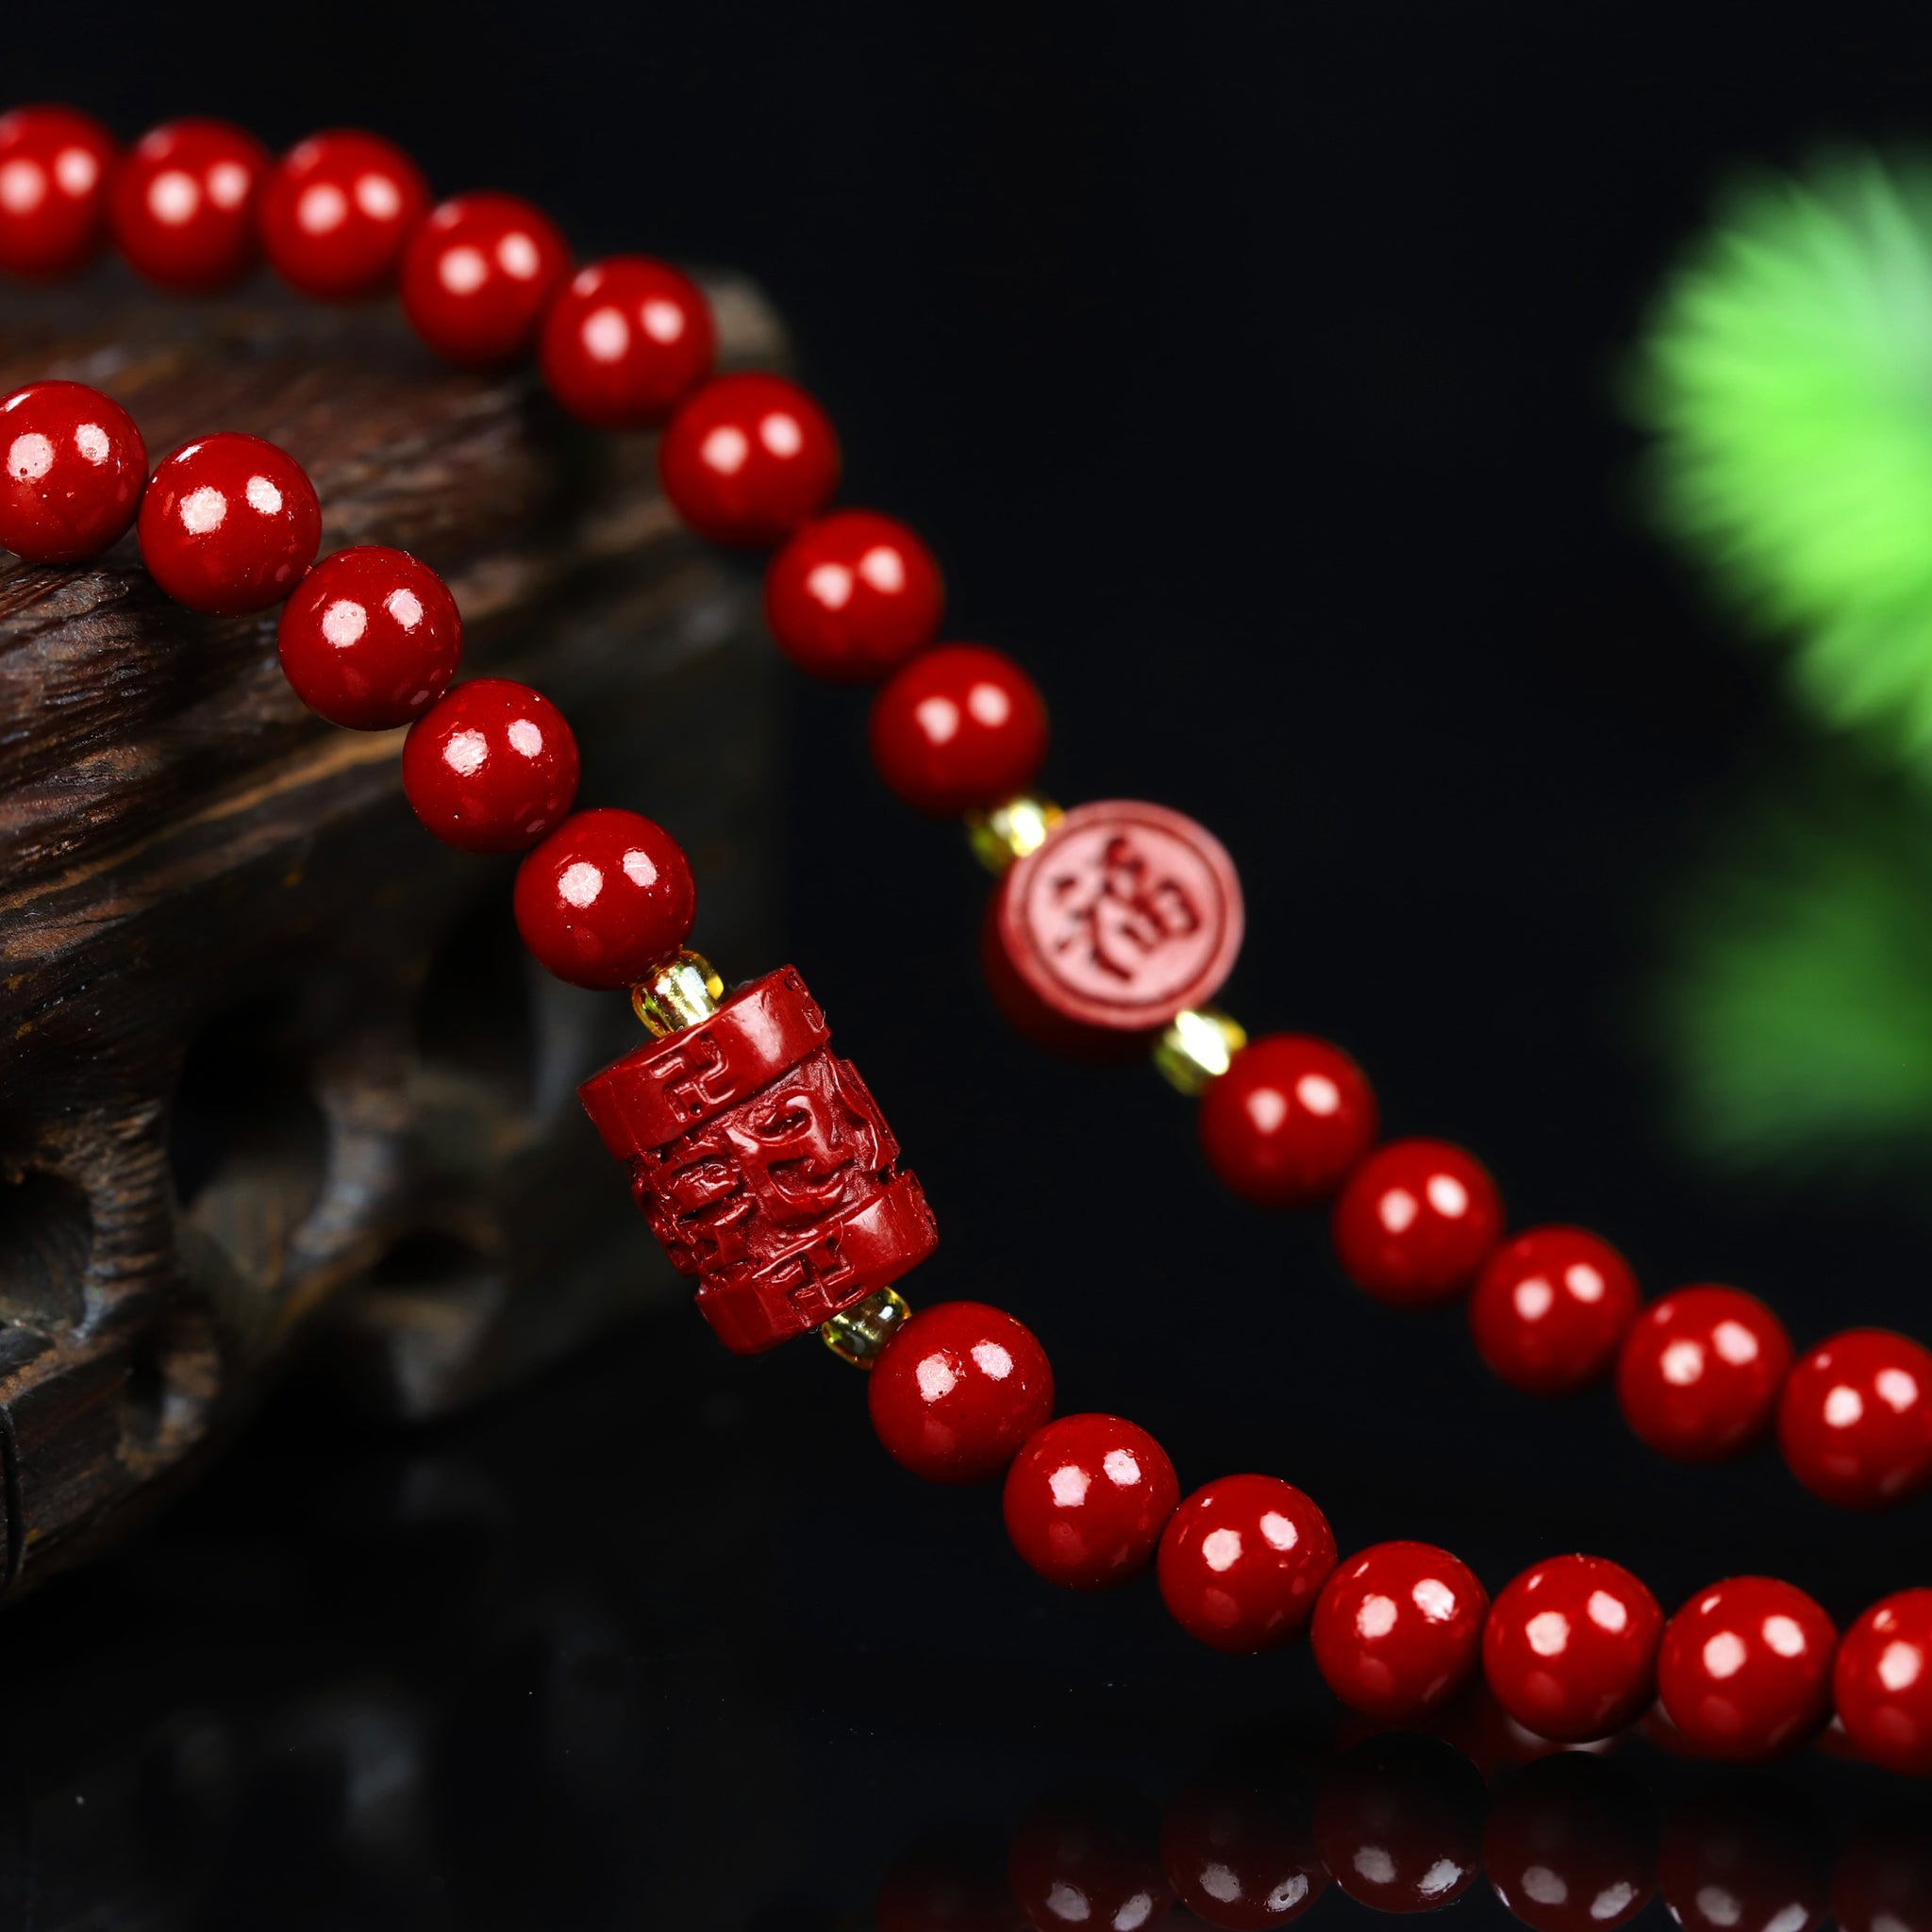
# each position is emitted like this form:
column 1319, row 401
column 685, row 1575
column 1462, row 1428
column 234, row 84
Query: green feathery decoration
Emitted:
column 1787, row 376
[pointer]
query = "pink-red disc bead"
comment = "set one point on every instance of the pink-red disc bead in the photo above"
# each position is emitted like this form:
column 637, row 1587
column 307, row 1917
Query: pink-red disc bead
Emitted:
column 1416, row 1221
column 1289, row 1122
column 624, row 341
column 1744, row 1668
column 605, row 898
column 851, row 594
column 1551, row 1308
column 1398, row 1629
column 182, row 205
column 957, row 1390
column 477, row 275
column 1882, row 1683
column 54, row 163
column 1243, row 1560
column 71, row 470
column 748, row 457
column 958, row 728
column 1854, row 1419
column 1087, row 1499
column 1570, row 1648
column 492, row 767
column 371, row 637
column 336, row 211
column 228, row 524
column 1700, row 1370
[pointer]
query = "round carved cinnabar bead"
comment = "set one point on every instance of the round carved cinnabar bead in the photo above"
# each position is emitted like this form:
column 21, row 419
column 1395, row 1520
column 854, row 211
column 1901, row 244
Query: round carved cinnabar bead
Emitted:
column 1289, row 1122
column 625, row 338
column 1882, row 1683
column 607, row 897
column 477, row 274
column 1551, row 1308
column 1127, row 913
column 958, row 728
column 853, row 594
column 1241, row 1561
column 371, row 637
column 71, row 470
column 54, row 163
column 1700, row 1372
column 957, row 1390
column 748, row 457
column 336, row 211
column 1416, row 1221
column 228, row 524
column 1745, row 1670
column 182, row 204
column 1398, row 1629
column 1854, row 1419
column 1570, row 1648
column 492, row 767
column 1087, row 1499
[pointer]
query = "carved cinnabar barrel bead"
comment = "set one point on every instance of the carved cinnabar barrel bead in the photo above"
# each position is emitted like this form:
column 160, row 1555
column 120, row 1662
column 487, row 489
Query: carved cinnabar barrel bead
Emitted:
column 763, row 1165
column 1125, row 915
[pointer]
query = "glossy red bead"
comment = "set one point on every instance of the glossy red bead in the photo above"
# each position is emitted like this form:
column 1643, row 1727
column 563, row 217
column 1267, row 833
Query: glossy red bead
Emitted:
column 1571, row 1844
column 71, row 470
column 957, row 1390
column 477, row 273
column 958, row 728
column 1398, row 1629
column 1854, row 1417
column 492, row 767
column 1570, row 1648
column 748, row 457
column 1700, row 1370
column 54, row 164
column 625, row 339
column 1416, row 1221
column 851, row 594
column 1551, row 1310
column 1087, row 1499
column 1243, row 1560
column 336, row 210
column 1289, row 1122
column 228, row 524
column 182, row 205
column 1882, row 1683
column 1241, row 1856
column 1744, row 1669
column 605, row 898
column 371, row 637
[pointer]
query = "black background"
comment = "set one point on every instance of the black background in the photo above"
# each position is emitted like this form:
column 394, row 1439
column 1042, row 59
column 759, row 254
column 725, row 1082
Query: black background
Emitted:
column 1255, row 373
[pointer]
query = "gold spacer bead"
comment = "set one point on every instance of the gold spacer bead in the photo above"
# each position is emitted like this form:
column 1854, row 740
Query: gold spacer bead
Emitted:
column 1199, row 1045
column 859, row 1334
column 1011, row 830
column 677, row 995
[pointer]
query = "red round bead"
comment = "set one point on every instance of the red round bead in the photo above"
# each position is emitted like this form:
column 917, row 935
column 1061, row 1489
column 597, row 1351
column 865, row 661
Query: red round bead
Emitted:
column 1882, row 1683
column 228, row 524
column 337, row 210
column 607, row 896
column 1086, row 1498
column 1416, row 1221
column 492, row 767
column 1855, row 1420
column 625, row 340
column 371, row 637
column 1551, row 1308
column 1571, row 1844
column 477, row 275
column 1570, row 1648
column 1289, row 1122
column 54, row 164
column 1242, row 1857
column 1744, row 1669
column 71, row 470
column 853, row 594
column 1398, row 1629
column 958, row 728
column 748, row 457
column 182, row 205
column 957, row 1390
column 1700, row 1372
column 1243, row 1560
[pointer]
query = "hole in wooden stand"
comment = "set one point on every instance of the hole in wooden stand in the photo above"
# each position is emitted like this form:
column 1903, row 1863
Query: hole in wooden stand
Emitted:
column 173, row 1371
column 46, row 1234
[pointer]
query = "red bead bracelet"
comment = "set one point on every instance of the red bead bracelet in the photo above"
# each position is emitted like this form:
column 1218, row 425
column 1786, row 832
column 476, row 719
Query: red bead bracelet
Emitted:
column 761, row 1160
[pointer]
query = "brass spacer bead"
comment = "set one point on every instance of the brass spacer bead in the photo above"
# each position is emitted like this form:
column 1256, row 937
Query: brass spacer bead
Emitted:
column 1010, row 832
column 1198, row 1046
column 859, row 1334
column 680, row 993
